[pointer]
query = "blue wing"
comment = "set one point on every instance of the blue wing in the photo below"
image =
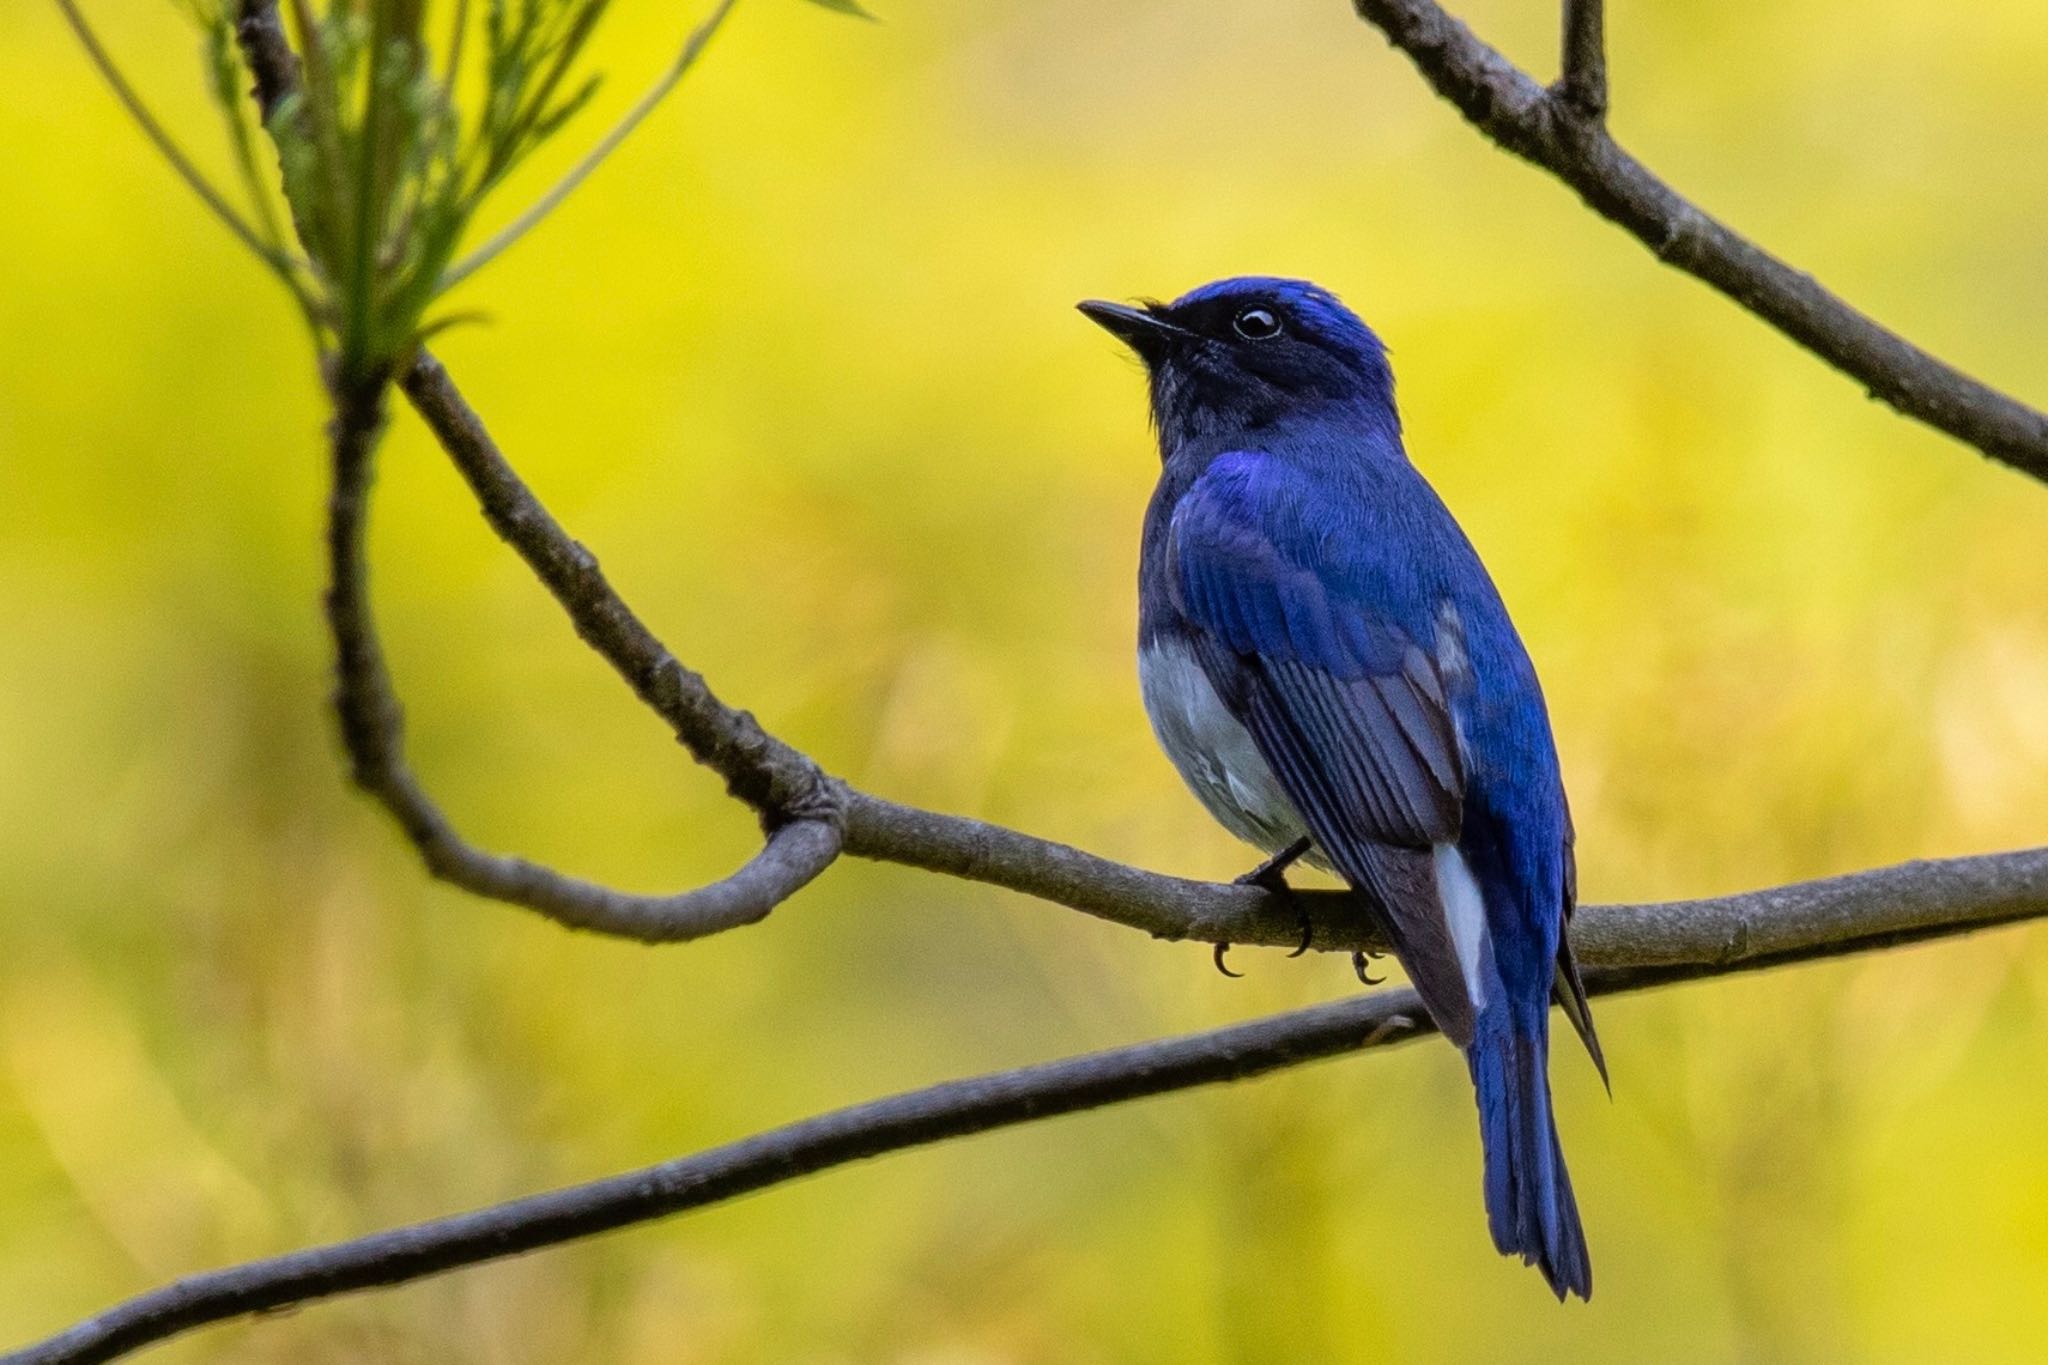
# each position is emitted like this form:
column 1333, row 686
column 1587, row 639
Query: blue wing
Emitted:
column 1301, row 641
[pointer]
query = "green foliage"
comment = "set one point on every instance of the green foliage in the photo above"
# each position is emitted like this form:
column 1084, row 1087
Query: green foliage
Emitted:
column 383, row 170
column 385, row 165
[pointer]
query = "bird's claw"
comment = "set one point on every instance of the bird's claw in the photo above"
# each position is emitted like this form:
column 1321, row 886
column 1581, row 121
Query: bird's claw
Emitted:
column 1358, row 961
column 1308, row 930
column 1221, row 966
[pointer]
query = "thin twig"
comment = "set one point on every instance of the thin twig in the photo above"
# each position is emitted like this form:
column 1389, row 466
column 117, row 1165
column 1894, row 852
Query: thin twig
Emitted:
column 1584, row 79
column 259, row 32
column 169, row 149
column 458, row 33
column 1743, row 933
column 693, row 47
column 241, row 140
column 1515, row 111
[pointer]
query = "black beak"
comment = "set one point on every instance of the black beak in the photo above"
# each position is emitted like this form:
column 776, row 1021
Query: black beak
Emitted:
column 1144, row 333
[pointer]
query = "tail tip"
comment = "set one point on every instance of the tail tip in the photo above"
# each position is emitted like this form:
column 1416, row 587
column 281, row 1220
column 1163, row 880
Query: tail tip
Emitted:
column 1530, row 1207
column 1565, row 1264
column 1571, row 1273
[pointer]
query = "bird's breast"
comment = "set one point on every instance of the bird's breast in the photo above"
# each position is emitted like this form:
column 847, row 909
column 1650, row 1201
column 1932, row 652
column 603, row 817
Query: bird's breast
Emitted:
column 1214, row 754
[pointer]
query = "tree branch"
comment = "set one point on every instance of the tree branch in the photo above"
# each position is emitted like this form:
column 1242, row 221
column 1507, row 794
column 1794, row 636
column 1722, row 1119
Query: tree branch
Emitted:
column 1584, row 82
column 800, row 811
column 1676, row 942
column 1715, row 931
column 769, row 775
column 1552, row 131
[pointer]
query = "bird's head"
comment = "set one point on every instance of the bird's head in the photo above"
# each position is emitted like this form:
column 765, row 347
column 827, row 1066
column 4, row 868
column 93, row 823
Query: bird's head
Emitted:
column 1246, row 352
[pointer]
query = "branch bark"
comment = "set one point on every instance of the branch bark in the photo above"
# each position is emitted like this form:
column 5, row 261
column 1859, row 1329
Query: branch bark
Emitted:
column 259, row 31
column 1555, row 132
column 1674, row 942
column 1584, row 79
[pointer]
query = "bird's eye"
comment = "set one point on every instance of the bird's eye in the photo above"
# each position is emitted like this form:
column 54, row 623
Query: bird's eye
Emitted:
column 1256, row 324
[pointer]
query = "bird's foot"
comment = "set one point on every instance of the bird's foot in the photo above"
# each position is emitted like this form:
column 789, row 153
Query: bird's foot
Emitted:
column 1358, row 961
column 1271, row 875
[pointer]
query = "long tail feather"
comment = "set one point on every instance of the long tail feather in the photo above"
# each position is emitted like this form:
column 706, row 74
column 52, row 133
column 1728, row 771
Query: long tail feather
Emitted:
column 1529, row 1203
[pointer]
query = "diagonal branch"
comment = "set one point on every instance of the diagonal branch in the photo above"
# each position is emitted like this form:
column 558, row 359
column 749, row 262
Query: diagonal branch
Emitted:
column 769, row 775
column 1559, row 133
column 1671, row 943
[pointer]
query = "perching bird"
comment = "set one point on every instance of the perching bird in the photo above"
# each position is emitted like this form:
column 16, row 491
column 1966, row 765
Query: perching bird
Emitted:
column 1329, row 666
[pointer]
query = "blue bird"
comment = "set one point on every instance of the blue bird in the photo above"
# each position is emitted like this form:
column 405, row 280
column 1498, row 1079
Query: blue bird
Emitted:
column 1328, row 664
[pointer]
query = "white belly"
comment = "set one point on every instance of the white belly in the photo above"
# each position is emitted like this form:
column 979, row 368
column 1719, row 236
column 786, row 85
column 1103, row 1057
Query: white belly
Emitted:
column 1224, row 769
column 1215, row 754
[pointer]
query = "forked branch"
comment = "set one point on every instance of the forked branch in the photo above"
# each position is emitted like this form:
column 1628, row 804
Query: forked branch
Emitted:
column 1563, row 133
column 803, row 827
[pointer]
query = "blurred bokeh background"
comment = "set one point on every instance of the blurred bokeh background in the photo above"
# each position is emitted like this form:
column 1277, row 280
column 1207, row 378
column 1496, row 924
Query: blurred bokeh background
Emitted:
column 801, row 365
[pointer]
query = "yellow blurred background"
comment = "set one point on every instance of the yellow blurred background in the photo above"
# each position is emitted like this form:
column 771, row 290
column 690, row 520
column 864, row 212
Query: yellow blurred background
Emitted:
column 801, row 365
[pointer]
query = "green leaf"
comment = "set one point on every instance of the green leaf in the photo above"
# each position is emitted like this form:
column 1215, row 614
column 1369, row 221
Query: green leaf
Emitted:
column 851, row 7
column 551, row 123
